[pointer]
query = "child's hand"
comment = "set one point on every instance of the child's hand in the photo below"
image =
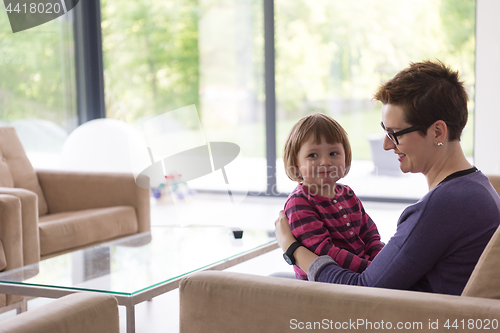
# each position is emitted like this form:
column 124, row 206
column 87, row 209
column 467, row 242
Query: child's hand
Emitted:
column 283, row 233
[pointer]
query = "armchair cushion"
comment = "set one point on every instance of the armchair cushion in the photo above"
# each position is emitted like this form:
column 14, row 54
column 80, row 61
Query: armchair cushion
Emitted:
column 16, row 169
column 70, row 230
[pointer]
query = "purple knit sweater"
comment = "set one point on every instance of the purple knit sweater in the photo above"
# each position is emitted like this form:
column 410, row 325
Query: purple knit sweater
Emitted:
column 437, row 243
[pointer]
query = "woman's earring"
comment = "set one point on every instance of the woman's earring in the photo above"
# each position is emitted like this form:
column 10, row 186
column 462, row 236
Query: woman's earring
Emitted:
column 440, row 144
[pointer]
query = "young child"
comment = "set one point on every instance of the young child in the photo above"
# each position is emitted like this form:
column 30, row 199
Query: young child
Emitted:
column 326, row 217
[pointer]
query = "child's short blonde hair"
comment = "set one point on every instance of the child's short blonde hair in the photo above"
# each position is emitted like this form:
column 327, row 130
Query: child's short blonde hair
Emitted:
column 319, row 125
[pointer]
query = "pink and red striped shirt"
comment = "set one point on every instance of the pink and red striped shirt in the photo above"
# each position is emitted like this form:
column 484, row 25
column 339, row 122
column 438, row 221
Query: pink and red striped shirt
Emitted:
column 337, row 227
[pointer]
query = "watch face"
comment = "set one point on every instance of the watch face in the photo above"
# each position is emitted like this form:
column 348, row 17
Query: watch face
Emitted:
column 287, row 259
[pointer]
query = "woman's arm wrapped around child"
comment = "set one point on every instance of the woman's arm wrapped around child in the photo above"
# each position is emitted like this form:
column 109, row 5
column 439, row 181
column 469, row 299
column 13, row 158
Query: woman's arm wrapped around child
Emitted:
column 337, row 227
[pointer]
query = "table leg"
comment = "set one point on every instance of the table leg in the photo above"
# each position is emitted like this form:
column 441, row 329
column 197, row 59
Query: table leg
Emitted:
column 130, row 318
column 23, row 306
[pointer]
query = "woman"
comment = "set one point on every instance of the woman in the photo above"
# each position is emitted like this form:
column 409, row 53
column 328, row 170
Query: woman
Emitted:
column 439, row 239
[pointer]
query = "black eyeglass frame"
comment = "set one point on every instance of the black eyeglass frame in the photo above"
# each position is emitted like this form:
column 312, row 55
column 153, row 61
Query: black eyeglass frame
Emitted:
column 393, row 136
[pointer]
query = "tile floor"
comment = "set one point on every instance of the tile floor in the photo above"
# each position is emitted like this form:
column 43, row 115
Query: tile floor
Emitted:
column 162, row 313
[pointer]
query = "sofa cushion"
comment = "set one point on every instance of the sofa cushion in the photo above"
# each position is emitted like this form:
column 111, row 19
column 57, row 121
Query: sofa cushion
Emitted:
column 67, row 230
column 15, row 167
column 3, row 261
column 484, row 281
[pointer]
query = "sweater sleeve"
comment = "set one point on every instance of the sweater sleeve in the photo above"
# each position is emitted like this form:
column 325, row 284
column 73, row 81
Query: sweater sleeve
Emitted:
column 310, row 230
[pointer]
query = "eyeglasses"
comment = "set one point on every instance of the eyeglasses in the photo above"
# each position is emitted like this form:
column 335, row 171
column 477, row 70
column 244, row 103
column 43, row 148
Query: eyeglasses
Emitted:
column 393, row 136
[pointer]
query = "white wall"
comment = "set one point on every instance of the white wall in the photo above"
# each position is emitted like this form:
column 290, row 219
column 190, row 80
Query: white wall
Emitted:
column 487, row 112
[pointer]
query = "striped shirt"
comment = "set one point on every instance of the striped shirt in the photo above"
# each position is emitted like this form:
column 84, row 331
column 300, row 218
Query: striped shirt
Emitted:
column 337, row 227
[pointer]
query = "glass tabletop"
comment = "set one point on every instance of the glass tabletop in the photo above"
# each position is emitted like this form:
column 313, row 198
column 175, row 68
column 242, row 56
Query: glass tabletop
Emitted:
column 137, row 263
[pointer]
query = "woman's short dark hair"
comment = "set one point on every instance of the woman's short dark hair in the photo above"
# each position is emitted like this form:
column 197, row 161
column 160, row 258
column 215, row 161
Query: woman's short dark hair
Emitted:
column 427, row 92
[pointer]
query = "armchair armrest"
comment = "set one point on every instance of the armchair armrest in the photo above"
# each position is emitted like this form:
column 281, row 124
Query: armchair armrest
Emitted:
column 232, row 302
column 29, row 217
column 11, row 237
column 69, row 191
column 81, row 312
column 11, row 230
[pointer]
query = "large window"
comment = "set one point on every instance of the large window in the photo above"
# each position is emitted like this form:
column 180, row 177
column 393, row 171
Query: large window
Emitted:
column 331, row 57
column 37, row 86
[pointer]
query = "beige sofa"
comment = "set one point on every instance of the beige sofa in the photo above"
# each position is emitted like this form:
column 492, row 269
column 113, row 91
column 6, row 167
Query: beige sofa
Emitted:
column 221, row 302
column 46, row 213
column 75, row 313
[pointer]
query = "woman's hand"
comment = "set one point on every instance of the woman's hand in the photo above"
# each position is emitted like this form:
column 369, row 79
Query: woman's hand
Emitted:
column 285, row 238
column 283, row 233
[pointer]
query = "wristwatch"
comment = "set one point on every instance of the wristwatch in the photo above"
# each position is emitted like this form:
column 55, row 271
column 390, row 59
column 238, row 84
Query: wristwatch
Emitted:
column 288, row 255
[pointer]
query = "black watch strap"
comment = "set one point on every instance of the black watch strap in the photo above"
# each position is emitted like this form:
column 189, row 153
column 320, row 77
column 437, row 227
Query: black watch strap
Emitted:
column 288, row 255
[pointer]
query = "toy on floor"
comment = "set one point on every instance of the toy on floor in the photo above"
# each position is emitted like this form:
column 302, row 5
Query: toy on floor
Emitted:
column 180, row 190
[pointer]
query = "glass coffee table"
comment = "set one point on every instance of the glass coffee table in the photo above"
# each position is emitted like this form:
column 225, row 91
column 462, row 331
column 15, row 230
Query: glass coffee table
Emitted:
column 137, row 268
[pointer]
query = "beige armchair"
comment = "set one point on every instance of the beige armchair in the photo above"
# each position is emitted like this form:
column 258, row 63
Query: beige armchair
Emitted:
column 222, row 302
column 76, row 313
column 62, row 211
column 55, row 212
